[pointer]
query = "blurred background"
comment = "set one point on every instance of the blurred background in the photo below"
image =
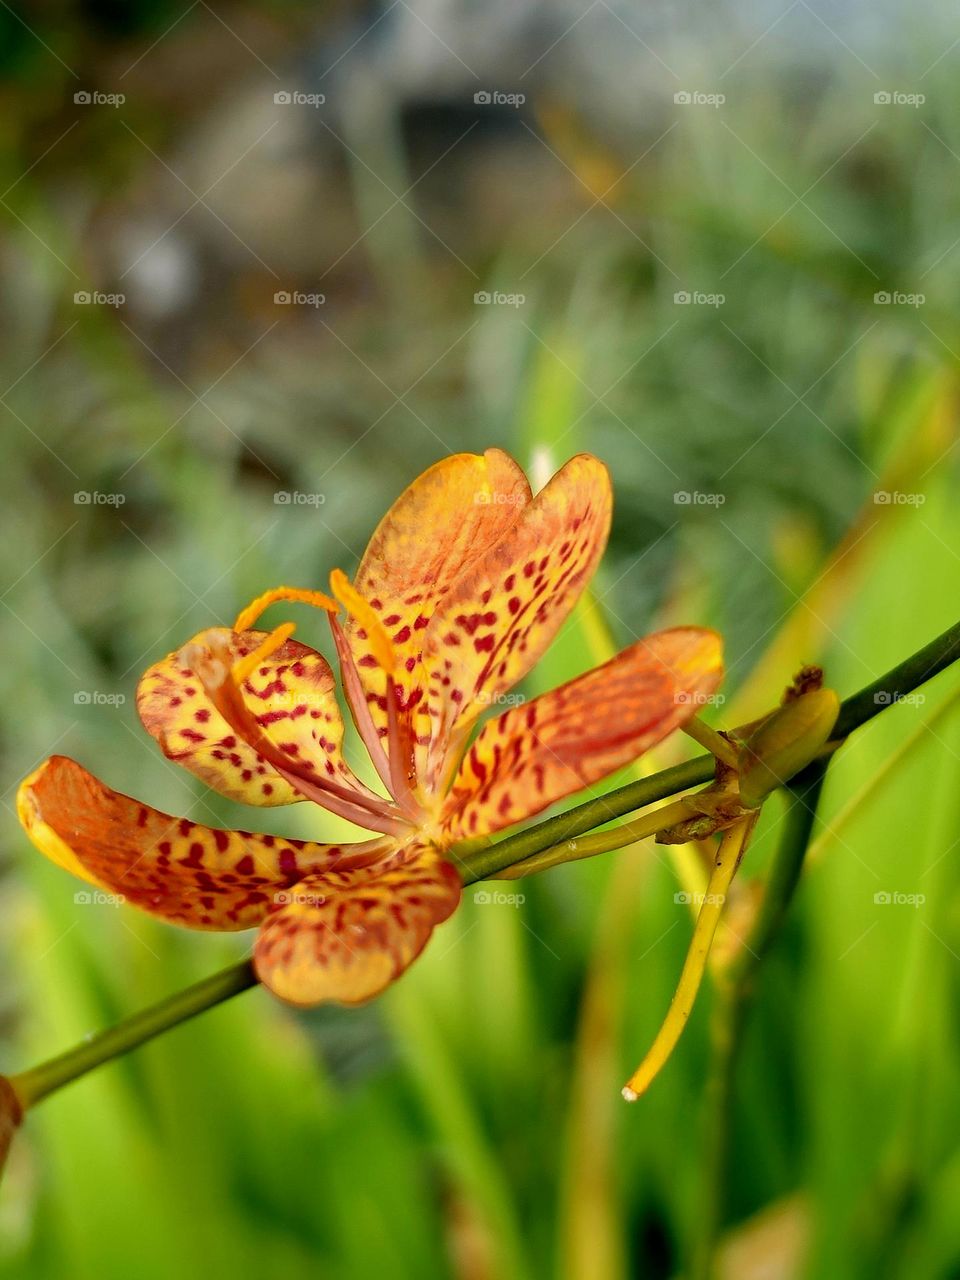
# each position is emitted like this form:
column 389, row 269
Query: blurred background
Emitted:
column 261, row 263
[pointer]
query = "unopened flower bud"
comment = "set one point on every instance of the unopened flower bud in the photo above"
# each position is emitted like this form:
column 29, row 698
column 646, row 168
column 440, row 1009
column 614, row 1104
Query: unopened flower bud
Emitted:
column 786, row 741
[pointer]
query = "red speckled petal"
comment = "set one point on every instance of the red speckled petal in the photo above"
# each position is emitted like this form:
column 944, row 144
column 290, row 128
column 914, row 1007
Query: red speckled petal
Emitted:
column 495, row 623
column 451, row 514
column 346, row 935
column 291, row 694
column 539, row 752
column 191, row 875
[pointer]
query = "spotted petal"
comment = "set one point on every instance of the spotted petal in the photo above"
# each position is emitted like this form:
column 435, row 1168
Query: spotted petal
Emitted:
column 189, row 874
column 539, row 752
column 451, row 514
column 497, row 620
column 346, row 935
column 292, row 694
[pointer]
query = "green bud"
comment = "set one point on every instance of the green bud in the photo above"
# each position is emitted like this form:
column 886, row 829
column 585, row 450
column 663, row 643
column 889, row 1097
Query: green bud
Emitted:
column 784, row 742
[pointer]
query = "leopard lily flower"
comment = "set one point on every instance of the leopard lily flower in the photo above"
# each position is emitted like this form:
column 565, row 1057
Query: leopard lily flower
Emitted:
column 465, row 583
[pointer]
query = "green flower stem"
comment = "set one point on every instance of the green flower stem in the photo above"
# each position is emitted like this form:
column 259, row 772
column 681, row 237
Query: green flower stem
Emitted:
column 31, row 1086
column 734, row 996
column 602, row 841
column 487, row 858
column 484, row 860
column 713, row 741
column 496, row 857
column 901, row 680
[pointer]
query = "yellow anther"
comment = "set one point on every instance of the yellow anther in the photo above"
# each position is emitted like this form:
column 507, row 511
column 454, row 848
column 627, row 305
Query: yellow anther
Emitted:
column 243, row 667
column 364, row 613
column 252, row 612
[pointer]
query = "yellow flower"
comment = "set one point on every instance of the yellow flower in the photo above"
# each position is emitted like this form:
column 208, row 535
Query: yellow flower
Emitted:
column 465, row 583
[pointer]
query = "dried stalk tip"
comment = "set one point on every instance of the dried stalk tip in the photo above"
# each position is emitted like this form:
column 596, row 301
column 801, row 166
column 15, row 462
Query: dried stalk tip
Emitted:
column 807, row 680
column 11, row 1114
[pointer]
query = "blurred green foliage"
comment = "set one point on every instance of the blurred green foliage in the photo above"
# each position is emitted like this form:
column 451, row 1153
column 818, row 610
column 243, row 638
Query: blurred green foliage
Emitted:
column 469, row 1125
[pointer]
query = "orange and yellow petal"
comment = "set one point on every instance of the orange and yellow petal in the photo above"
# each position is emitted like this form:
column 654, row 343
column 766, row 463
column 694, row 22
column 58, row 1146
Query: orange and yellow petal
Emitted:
column 291, row 695
column 538, row 752
column 451, row 515
column 346, row 935
column 191, row 875
column 497, row 620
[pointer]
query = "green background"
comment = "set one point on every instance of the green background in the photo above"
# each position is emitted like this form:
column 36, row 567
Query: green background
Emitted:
column 469, row 1124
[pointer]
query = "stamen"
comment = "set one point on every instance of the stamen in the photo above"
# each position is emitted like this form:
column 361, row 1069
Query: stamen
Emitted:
column 366, row 615
column 244, row 667
column 395, row 764
column 248, row 616
column 357, row 702
column 210, row 662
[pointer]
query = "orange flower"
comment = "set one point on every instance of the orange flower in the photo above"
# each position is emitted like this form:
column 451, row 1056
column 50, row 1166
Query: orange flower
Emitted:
column 463, row 586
